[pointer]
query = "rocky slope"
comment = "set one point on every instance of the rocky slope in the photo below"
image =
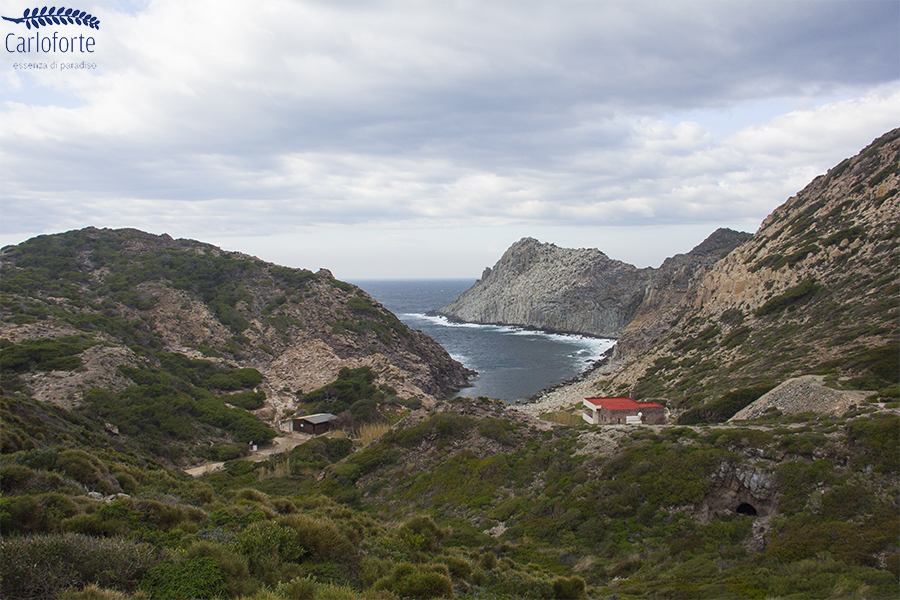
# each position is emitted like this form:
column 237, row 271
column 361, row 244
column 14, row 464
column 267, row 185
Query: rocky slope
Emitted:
column 124, row 292
column 581, row 290
column 813, row 292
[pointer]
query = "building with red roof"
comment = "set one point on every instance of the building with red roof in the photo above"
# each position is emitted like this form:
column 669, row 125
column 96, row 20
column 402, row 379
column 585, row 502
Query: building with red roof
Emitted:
column 625, row 411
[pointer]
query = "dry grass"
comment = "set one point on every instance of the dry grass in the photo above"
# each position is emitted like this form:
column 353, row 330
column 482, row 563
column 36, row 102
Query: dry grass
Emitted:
column 563, row 417
column 281, row 468
column 370, row 432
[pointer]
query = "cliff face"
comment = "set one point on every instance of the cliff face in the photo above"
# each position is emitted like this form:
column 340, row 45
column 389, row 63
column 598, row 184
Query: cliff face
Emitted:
column 559, row 289
column 126, row 291
column 813, row 292
column 581, row 291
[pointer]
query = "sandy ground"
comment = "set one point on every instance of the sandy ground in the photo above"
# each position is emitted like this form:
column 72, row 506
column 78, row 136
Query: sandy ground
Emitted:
column 280, row 445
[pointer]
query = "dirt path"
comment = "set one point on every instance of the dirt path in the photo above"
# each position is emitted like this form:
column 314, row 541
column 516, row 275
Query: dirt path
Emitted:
column 280, row 445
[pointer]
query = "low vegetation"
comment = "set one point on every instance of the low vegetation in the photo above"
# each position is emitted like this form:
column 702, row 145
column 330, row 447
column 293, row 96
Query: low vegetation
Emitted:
column 86, row 517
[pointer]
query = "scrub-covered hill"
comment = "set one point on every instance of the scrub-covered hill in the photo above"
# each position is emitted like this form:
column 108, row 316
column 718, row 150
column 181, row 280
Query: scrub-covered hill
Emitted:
column 177, row 339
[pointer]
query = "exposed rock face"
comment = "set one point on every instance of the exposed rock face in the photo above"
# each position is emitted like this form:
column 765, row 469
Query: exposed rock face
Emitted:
column 543, row 286
column 815, row 289
column 296, row 327
column 737, row 488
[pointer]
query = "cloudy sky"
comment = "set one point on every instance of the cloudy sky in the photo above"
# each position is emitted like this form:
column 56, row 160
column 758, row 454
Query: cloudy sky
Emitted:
column 420, row 139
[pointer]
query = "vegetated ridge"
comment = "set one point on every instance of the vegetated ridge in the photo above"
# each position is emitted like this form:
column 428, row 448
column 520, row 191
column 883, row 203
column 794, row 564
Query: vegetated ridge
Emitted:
column 90, row 315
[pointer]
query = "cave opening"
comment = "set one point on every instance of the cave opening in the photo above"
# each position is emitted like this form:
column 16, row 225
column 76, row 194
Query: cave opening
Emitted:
column 746, row 509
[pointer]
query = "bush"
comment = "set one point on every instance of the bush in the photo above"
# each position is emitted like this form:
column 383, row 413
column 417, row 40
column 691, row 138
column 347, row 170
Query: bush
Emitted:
column 877, row 441
column 417, row 581
column 298, row 587
column 59, row 354
column 41, row 566
column 801, row 292
column 35, row 514
column 266, row 545
column 232, row 564
column 422, row 534
column 15, row 478
column 197, row 578
column 319, row 536
column 568, row 588
column 246, row 400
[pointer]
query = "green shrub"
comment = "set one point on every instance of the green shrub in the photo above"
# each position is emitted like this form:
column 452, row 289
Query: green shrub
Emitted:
column 568, row 588
column 42, row 513
column 232, row 564
column 458, row 567
column 422, row 534
column 246, row 400
column 877, row 441
column 417, row 581
column 41, row 566
column 443, row 426
column 252, row 495
column 81, row 466
column 318, row 536
column 58, row 354
column 800, row 293
column 160, row 515
column 304, row 587
column 198, row 578
column 126, row 481
column 266, row 545
column 500, row 430
column 15, row 478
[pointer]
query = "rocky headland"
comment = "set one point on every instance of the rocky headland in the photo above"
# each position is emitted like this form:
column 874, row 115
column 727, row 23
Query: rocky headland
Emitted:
column 582, row 291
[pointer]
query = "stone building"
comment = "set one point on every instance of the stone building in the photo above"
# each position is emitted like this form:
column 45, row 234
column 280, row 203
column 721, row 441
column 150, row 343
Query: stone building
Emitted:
column 625, row 411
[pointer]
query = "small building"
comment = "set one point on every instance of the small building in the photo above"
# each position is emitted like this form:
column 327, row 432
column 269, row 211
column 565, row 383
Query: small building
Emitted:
column 313, row 424
column 626, row 411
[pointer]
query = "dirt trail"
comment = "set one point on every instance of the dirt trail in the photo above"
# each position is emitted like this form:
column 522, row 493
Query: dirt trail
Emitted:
column 280, row 445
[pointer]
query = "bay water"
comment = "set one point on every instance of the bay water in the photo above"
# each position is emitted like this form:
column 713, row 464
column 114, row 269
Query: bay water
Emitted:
column 512, row 363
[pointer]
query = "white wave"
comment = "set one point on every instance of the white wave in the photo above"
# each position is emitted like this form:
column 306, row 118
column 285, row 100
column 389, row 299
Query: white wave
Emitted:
column 445, row 322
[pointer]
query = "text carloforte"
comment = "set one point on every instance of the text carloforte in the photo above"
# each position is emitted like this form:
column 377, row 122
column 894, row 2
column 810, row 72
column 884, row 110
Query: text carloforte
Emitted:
column 54, row 43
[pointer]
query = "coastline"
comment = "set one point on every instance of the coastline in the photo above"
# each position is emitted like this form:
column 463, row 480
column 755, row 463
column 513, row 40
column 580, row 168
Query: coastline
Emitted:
column 563, row 395
column 453, row 319
column 558, row 395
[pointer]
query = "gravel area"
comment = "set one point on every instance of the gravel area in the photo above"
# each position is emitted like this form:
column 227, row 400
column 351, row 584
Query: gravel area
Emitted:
column 803, row 394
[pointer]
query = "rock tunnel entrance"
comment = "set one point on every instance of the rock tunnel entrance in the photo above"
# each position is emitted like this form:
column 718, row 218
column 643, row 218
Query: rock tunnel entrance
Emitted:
column 746, row 509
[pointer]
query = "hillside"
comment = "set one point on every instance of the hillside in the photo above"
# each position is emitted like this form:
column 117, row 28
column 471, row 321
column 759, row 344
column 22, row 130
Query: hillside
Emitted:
column 470, row 500
column 543, row 286
column 814, row 291
column 154, row 322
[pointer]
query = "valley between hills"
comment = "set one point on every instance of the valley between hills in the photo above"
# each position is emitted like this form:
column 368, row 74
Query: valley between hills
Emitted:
column 126, row 357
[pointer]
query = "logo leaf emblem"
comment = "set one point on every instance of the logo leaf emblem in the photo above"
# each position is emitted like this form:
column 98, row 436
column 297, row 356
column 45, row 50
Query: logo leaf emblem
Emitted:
column 36, row 17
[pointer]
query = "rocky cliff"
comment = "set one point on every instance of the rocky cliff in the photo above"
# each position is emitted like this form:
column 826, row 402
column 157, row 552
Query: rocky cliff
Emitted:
column 129, row 295
column 813, row 292
column 543, row 286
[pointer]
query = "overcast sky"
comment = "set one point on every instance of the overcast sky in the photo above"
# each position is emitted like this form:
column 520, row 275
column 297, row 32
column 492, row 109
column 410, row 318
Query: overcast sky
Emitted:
column 409, row 139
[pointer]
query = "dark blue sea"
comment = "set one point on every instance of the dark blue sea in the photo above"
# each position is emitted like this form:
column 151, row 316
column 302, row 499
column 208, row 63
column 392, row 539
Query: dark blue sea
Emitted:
column 512, row 363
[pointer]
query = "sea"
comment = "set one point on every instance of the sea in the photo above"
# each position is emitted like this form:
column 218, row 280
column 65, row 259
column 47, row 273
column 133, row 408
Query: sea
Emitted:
column 513, row 363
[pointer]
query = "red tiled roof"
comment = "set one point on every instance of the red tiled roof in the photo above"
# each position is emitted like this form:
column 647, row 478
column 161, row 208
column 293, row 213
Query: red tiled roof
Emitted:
column 621, row 403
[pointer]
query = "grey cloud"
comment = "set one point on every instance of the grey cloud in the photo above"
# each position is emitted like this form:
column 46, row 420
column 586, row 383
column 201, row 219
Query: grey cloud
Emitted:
column 437, row 114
